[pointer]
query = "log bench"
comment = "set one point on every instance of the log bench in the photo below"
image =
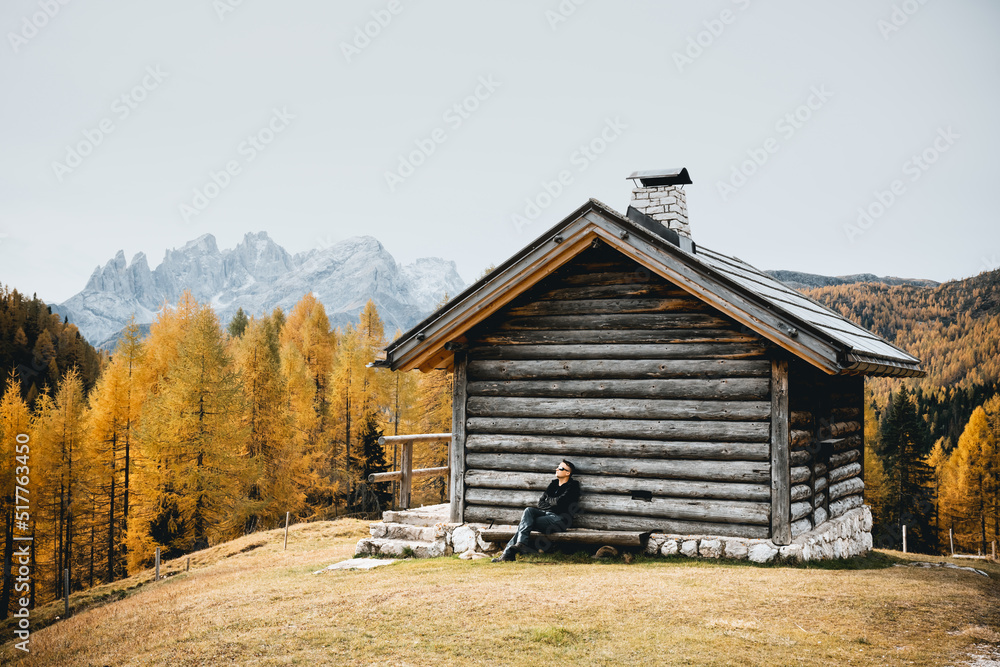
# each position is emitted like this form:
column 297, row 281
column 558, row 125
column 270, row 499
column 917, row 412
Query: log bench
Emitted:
column 503, row 534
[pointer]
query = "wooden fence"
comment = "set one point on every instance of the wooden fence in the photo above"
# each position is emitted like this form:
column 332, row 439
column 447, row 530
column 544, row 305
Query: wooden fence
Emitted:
column 406, row 474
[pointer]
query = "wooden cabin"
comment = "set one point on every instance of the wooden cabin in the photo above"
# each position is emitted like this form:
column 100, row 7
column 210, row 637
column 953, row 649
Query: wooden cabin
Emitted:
column 694, row 393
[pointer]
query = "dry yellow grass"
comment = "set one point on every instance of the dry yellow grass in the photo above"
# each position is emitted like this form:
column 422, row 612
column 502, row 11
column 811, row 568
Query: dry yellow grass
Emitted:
column 263, row 606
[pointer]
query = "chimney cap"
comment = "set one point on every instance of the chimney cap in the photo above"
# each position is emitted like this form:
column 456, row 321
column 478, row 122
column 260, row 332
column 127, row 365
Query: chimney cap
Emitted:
column 655, row 177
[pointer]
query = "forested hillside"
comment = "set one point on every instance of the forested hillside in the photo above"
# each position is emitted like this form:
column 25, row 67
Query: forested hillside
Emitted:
column 933, row 443
column 197, row 434
column 40, row 346
column 954, row 329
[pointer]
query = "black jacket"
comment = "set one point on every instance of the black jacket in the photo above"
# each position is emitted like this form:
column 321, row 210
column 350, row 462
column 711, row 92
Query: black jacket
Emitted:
column 562, row 499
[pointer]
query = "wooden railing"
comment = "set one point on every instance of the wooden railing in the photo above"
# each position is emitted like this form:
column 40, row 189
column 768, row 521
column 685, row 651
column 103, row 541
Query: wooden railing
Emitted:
column 406, row 474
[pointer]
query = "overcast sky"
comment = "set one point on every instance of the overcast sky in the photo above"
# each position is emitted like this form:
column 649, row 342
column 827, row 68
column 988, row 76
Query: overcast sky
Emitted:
column 434, row 130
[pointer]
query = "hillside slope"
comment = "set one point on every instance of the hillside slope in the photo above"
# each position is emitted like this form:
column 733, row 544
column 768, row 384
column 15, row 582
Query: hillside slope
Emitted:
column 248, row 602
column 953, row 328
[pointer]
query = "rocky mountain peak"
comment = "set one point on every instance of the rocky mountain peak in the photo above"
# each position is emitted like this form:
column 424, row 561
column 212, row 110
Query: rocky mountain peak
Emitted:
column 259, row 275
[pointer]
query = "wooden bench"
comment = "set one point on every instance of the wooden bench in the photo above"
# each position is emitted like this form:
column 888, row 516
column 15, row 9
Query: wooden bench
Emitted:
column 573, row 535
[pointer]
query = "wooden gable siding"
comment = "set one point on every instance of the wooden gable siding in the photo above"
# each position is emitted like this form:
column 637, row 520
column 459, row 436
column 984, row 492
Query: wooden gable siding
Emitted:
column 647, row 390
column 827, row 440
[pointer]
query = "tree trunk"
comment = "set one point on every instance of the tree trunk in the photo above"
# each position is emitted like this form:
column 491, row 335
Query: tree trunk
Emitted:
column 8, row 553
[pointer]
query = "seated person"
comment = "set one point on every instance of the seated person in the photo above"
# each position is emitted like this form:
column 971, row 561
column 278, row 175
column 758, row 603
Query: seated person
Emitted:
column 554, row 512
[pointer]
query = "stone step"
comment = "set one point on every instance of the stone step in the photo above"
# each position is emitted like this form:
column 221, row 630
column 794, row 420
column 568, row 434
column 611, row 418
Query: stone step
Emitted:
column 423, row 516
column 404, row 531
column 400, row 548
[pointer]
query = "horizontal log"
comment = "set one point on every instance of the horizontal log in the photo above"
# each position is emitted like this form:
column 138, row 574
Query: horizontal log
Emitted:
column 621, row 408
column 731, row 389
column 820, row 484
column 799, row 438
column 396, row 476
column 820, row 516
column 801, row 492
column 618, row 447
column 848, row 487
column 845, row 414
column 799, row 458
column 801, row 419
column 837, row 460
column 843, row 472
column 606, row 306
column 842, row 444
column 686, row 350
column 841, row 429
column 819, row 500
column 844, row 505
column 799, row 474
column 620, row 273
column 508, row 515
column 620, row 291
column 801, row 510
column 720, row 511
column 801, row 527
column 615, row 369
column 420, row 437
column 615, row 336
column 712, row 471
column 503, row 534
column 537, row 482
column 819, row 469
column 657, row 429
column 604, row 322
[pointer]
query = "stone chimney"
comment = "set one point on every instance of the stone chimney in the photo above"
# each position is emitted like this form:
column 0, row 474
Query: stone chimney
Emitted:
column 661, row 197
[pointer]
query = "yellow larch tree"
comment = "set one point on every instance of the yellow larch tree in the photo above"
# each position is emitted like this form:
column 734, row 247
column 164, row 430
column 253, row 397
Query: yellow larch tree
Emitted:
column 306, row 351
column 15, row 470
column 275, row 465
column 191, row 435
column 115, row 405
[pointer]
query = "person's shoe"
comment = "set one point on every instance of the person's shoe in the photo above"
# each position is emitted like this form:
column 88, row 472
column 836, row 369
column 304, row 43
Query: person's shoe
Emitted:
column 523, row 548
column 506, row 557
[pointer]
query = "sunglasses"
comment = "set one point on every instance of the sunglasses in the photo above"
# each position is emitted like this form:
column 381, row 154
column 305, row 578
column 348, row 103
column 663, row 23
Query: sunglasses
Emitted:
column 563, row 469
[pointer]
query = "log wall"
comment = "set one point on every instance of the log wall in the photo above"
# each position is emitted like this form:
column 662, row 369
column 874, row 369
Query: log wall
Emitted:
column 662, row 403
column 827, row 438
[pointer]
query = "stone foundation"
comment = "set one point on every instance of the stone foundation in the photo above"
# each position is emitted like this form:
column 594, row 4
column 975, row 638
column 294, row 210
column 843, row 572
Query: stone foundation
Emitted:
column 424, row 534
column 843, row 537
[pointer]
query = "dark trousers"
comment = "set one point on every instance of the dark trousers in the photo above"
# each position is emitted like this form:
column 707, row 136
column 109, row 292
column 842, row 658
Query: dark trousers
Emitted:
column 541, row 520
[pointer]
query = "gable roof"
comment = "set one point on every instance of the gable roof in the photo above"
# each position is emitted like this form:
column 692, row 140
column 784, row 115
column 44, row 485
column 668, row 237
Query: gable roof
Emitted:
column 764, row 304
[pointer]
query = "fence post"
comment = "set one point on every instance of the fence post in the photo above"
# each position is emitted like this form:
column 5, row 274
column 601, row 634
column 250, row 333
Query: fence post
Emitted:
column 187, row 568
column 904, row 538
column 287, row 515
column 66, row 591
column 406, row 468
column 951, row 538
column 157, row 577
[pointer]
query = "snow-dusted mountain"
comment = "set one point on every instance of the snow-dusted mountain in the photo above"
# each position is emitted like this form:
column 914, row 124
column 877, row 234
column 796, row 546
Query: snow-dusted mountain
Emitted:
column 259, row 275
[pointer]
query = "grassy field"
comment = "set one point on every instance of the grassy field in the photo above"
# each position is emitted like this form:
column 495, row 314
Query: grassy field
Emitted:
column 249, row 602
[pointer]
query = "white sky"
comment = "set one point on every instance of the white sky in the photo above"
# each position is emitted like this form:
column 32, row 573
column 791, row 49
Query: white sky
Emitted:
column 322, row 178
